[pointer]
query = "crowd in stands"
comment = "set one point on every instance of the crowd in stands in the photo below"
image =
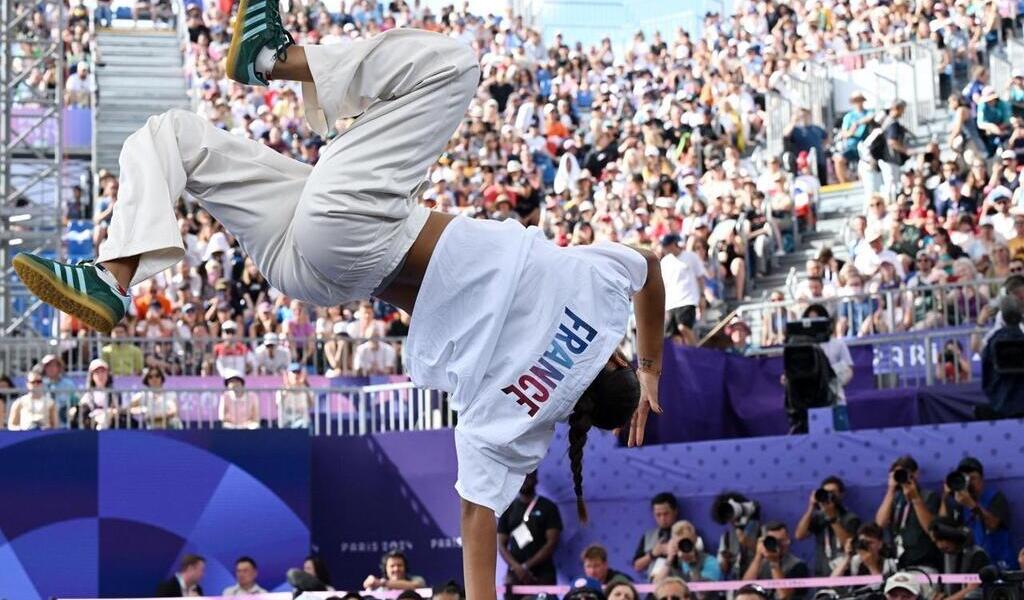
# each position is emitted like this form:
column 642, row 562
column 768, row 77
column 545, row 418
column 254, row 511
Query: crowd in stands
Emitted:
column 659, row 143
column 959, row 529
column 38, row 28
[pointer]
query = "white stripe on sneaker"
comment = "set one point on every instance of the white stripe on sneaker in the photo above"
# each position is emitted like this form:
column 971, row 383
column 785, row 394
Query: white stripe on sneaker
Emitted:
column 81, row 279
column 253, row 20
column 69, row 279
column 56, row 269
column 254, row 31
column 255, row 6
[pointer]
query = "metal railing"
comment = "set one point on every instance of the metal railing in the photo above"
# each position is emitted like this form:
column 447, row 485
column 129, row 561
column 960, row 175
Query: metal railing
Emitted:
column 353, row 410
column 176, row 355
column 910, row 360
column 884, row 311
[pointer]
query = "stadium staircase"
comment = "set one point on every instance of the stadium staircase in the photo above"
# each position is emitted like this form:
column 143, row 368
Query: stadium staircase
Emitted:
column 139, row 74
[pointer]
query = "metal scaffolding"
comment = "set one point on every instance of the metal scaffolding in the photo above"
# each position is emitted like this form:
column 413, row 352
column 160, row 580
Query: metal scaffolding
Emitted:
column 32, row 154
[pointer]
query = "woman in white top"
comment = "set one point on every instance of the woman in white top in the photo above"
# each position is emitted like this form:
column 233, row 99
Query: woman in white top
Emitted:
column 296, row 400
column 99, row 408
column 34, row 410
column 520, row 332
column 157, row 407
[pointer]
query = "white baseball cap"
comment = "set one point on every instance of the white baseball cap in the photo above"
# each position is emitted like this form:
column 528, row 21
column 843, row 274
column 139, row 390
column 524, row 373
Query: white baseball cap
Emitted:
column 903, row 580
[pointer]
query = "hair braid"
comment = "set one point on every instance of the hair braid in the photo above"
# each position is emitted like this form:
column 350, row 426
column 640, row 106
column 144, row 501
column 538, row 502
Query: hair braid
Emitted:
column 579, row 425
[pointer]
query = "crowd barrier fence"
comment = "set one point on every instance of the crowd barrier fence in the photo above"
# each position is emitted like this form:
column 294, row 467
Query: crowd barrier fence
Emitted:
column 700, row 586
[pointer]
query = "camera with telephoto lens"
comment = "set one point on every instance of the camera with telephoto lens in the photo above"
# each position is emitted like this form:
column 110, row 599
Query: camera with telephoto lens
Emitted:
column 957, row 481
column 734, row 508
column 900, row 475
column 997, row 584
column 863, row 544
column 686, row 545
column 771, row 543
column 823, row 496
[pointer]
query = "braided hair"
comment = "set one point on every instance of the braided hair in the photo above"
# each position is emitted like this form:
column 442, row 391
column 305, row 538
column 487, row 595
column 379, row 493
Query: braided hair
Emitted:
column 608, row 403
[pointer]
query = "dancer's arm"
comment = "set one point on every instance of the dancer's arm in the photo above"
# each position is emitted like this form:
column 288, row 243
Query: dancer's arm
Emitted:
column 479, row 550
column 649, row 308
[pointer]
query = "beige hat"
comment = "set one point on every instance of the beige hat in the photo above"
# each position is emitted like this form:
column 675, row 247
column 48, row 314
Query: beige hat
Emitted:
column 905, row 581
column 872, row 234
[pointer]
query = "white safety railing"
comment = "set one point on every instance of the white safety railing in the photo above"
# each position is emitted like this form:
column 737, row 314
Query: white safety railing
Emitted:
column 355, row 410
column 884, row 311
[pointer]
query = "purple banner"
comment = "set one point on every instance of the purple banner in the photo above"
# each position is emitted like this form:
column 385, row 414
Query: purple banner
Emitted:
column 77, row 127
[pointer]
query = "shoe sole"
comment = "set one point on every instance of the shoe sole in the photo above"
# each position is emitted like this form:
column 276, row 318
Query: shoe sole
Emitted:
column 236, row 41
column 45, row 285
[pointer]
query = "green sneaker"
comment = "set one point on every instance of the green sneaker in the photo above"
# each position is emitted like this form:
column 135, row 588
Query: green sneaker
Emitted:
column 257, row 26
column 77, row 290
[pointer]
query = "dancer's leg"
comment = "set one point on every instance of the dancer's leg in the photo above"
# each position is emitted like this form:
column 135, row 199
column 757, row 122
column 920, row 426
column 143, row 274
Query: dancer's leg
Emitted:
column 294, row 67
column 358, row 216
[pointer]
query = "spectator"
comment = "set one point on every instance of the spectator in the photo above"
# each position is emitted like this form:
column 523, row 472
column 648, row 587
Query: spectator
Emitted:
column 79, row 87
column 448, row 591
column 906, row 512
column 245, row 579
column 773, row 560
column 528, row 533
column 595, row 565
column 897, row 150
column 654, row 547
column 34, row 410
column 831, row 523
column 186, row 581
column 123, row 357
column 804, row 136
column 239, row 408
column 688, row 560
column 337, row 352
column 866, row 554
column 683, row 274
column 671, row 588
column 903, row 586
column 233, row 356
column 752, row 591
column 993, row 119
column 156, row 407
column 621, row 590
column 853, row 131
column 60, row 388
column 270, row 358
column 315, row 566
column 395, row 575
column 99, row 408
column 295, row 402
column 960, row 555
column 300, row 331
column 374, row 357
column 985, row 511
column 365, row 320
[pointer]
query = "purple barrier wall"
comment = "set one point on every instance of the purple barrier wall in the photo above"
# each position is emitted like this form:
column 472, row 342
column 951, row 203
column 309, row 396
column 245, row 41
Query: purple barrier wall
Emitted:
column 77, row 127
column 409, row 478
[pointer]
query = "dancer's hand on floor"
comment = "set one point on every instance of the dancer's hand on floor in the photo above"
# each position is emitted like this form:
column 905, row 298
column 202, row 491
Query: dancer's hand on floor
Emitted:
column 648, row 403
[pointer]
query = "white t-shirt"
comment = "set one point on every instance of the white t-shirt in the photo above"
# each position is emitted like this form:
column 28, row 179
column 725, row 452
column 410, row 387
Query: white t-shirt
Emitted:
column 374, row 360
column 681, row 287
column 515, row 328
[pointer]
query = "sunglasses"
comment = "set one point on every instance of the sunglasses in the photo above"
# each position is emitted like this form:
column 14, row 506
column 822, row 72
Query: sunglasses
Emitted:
column 35, row 381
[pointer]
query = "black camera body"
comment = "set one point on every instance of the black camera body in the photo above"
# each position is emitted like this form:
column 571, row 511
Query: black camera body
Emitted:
column 771, row 543
column 900, row 475
column 957, row 481
column 686, row 545
column 862, row 544
column 823, row 496
column 997, row 584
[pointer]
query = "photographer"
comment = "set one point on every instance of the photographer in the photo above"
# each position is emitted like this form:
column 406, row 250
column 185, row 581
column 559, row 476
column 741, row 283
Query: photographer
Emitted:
column 1004, row 391
column 831, row 523
column 738, row 544
column 959, row 555
column 866, row 554
column 654, row 542
column 984, row 511
column 906, row 512
column 689, row 562
column 774, row 561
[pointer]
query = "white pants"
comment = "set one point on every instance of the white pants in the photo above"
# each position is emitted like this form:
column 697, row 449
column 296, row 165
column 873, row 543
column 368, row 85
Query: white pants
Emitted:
column 326, row 234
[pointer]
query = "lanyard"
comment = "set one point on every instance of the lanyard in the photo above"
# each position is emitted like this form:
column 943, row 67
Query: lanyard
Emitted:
column 529, row 509
column 906, row 514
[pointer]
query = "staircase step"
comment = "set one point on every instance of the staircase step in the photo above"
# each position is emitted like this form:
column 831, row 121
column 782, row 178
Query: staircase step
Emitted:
column 132, row 71
column 117, row 60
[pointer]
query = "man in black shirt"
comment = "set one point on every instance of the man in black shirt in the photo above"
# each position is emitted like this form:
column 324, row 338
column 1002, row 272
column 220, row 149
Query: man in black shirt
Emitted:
column 773, row 560
column 896, row 149
column 528, row 534
column 831, row 524
column 959, row 555
column 906, row 512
